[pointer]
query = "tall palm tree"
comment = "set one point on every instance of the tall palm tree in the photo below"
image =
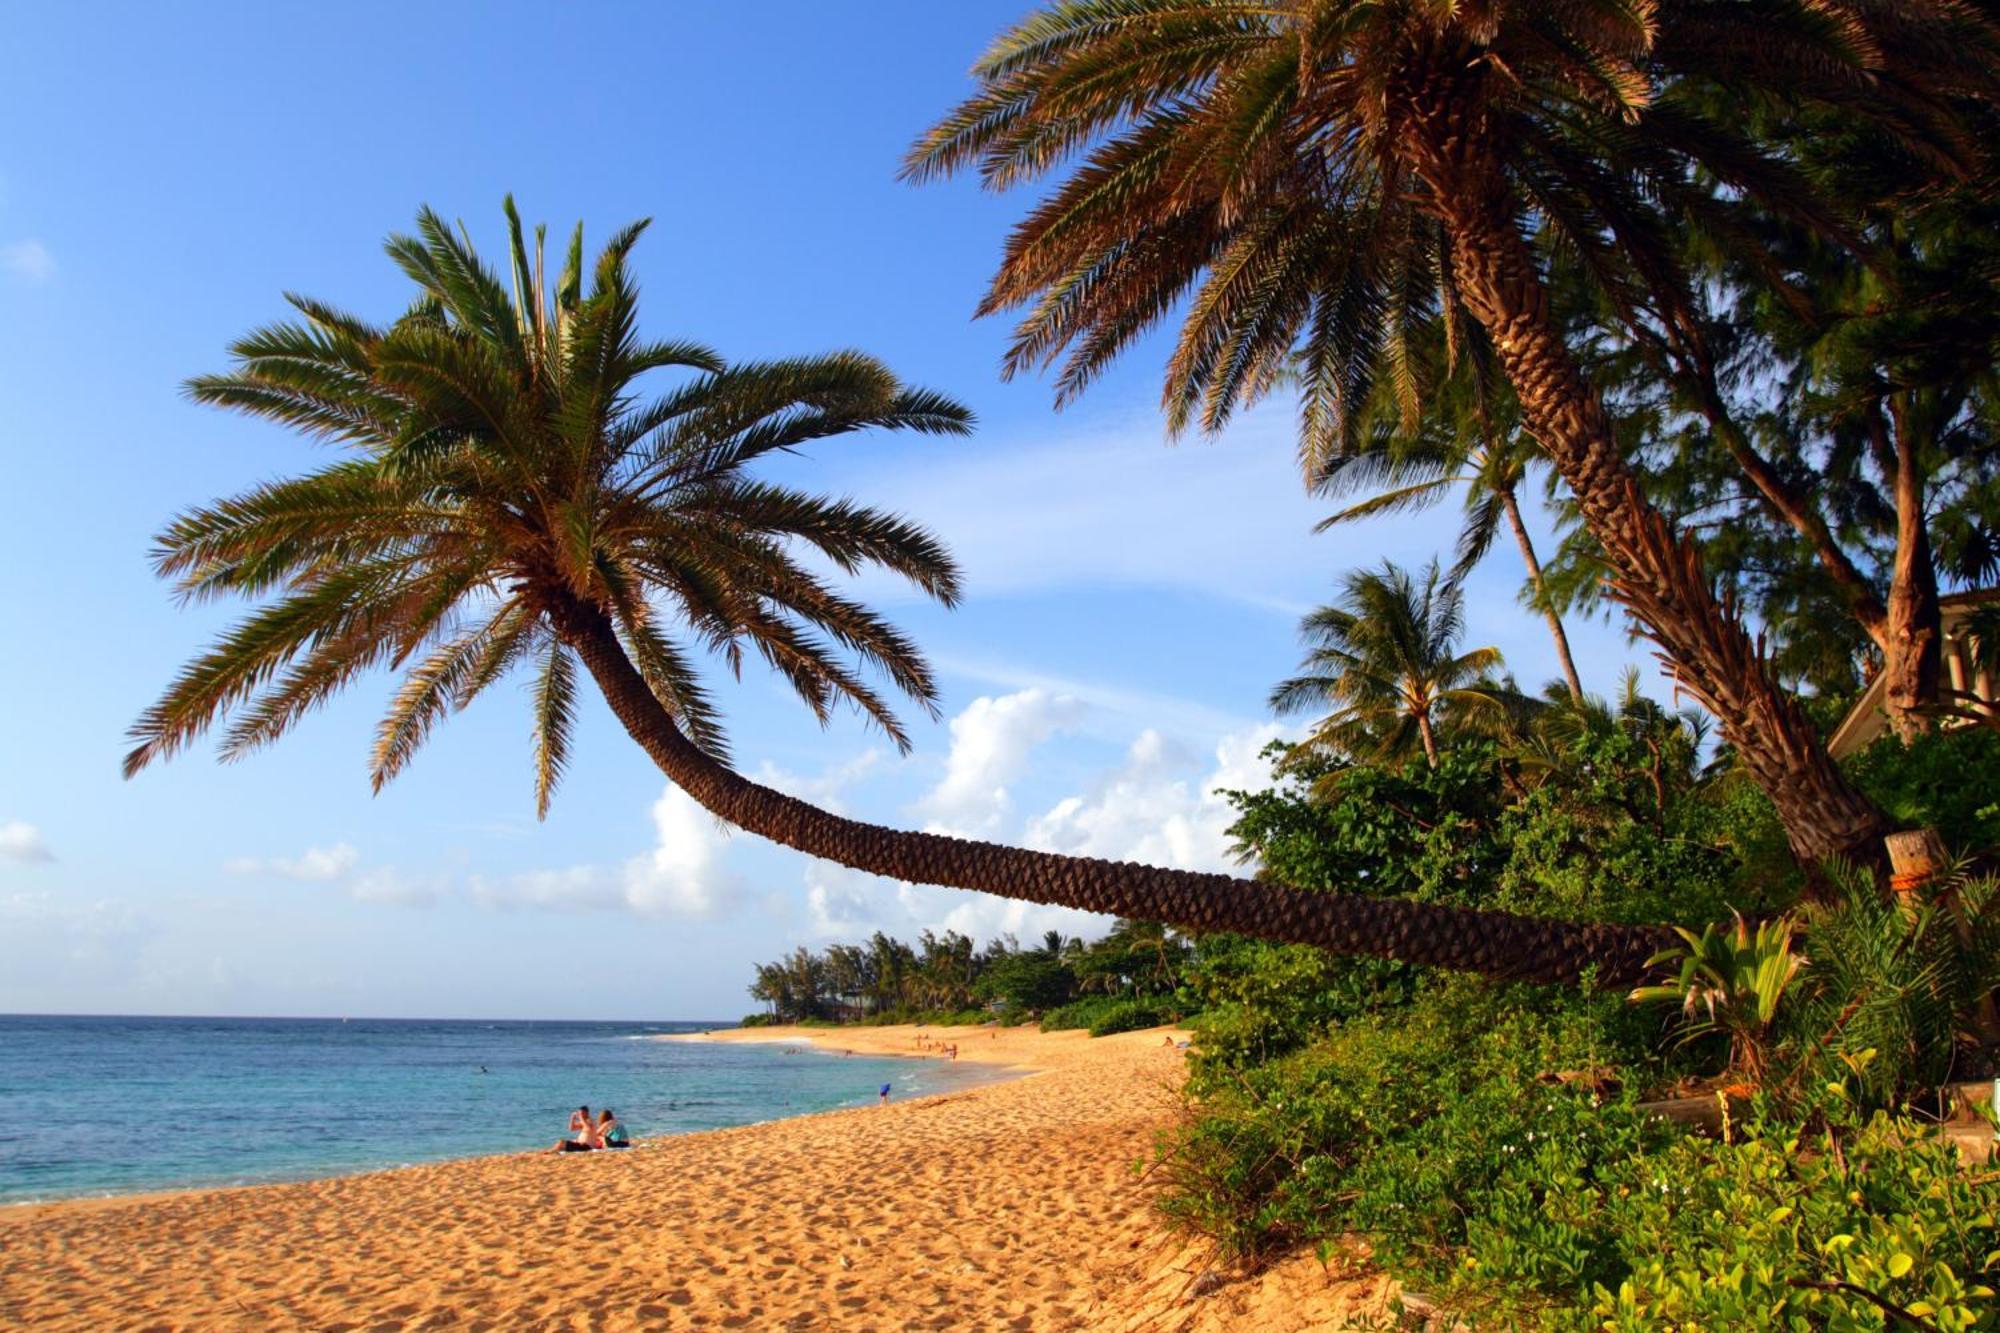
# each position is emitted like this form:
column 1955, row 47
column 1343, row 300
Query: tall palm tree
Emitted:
column 1385, row 660
column 1284, row 171
column 512, row 498
column 1465, row 436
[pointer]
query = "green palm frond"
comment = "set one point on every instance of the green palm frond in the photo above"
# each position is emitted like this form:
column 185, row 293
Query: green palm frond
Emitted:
column 510, row 463
column 1382, row 664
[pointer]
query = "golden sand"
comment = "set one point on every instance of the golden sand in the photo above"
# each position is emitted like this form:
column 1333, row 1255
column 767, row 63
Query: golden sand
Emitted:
column 1014, row 1205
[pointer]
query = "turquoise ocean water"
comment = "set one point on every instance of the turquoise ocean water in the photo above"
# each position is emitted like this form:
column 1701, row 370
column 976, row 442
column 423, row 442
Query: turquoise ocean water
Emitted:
column 92, row 1106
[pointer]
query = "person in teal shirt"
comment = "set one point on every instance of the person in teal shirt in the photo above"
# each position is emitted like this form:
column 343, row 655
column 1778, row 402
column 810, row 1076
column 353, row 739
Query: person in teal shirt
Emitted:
column 611, row 1131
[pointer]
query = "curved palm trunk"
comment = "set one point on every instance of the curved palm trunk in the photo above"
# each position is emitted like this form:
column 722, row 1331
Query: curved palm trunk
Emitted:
column 1496, row 944
column 1528, row 557
column 1659, row 575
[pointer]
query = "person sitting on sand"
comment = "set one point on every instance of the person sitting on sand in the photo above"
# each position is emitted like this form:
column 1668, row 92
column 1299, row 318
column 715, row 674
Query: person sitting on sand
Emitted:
column 611, row 1131
column 585, row 1136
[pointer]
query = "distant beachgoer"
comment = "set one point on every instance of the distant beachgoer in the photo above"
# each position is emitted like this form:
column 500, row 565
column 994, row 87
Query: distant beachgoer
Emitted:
column 1167, row 1040
column 885, row 1094
column 611, row 1130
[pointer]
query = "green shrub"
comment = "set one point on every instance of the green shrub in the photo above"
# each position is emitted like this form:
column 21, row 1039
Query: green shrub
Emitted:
column 757, row 1021
column 1393, row 1121
column 1258, row 1000
column 1132, row 1015
column 1946, row 780
column 1774, row 1229
column 1106, row 1014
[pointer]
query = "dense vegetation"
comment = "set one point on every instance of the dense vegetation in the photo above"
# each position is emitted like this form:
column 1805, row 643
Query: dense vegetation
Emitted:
column 1488, row 1140
column 1125, row 980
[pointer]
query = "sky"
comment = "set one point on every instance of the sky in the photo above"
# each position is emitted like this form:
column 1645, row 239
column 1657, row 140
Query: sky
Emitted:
column 171, row 171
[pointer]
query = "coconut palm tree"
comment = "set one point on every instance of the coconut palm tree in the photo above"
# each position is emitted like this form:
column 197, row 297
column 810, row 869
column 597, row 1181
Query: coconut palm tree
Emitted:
column 1384, row 659
column 512, row 498
column 1464, row 437
column 1285, row 171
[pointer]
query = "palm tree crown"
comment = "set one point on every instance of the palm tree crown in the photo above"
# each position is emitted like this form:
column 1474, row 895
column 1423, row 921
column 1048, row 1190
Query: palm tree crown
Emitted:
column 505, row 464
column 1384, row 660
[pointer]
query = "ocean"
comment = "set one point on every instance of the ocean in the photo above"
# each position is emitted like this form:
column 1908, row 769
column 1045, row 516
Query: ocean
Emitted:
column 96, row 1106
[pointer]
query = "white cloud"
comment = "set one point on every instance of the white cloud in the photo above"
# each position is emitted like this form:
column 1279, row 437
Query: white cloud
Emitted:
column 990, row 744
column 23, row 842
column 1163, row 805
column 389, row 887
column 28, row 260
column 319, row 865
column 683, row 875
column 828, row 788
column 1150, row 809
column 340, row 865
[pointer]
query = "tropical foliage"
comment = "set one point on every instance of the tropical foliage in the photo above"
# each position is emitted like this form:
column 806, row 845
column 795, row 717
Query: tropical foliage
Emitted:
column 1730, row 980
column 1384, row 661
column 945, row 978
column 1491, row 1142
column 504, row 471
column 1307, row 184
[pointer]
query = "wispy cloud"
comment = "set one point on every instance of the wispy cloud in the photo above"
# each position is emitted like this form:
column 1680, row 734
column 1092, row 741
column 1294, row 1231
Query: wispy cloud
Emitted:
column 28, row 260
column 1111, row 504
column 683, row 875
column 23, row 842
column 316, row 865
column 1111, row 710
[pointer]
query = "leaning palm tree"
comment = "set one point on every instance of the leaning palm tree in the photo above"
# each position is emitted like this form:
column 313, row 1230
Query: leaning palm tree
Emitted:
column 512, row 498
column 1285, row 171
column 1384, row 660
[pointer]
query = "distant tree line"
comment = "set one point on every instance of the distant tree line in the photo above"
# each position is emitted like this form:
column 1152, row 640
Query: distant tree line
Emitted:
column 885, row 978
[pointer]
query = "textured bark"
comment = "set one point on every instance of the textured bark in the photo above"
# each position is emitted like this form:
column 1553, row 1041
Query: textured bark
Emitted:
column 1913, row 636
column 1658, row 575
column 1495, row 944
column 1534, row 564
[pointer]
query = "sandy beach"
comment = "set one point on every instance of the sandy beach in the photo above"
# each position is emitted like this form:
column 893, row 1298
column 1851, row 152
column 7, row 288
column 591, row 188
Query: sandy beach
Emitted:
column 1014, row 1204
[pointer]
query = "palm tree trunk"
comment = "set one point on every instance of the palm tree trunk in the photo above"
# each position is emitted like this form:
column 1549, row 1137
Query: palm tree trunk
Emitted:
column 1659, row 575
column 1496, row 944
column 1534, row 564
column 1429, row 737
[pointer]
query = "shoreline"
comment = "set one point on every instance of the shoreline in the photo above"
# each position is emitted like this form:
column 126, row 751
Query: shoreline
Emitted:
column 1014, row 1203
column 307, row 1175
column 1009, row 1202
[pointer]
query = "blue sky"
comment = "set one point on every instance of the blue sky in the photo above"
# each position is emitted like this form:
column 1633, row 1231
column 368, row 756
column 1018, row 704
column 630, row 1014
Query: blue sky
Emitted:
column 172, row 170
